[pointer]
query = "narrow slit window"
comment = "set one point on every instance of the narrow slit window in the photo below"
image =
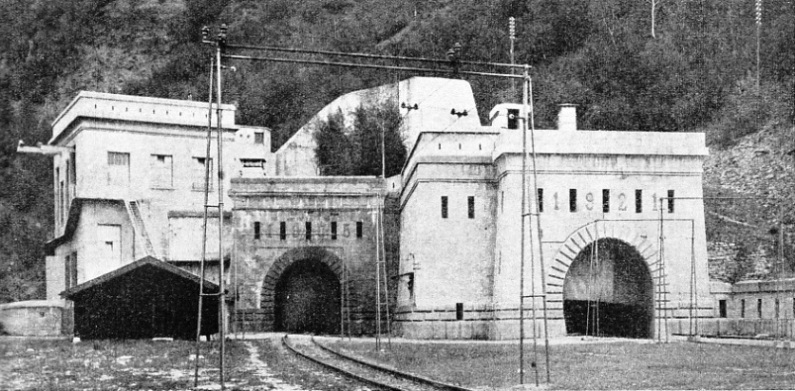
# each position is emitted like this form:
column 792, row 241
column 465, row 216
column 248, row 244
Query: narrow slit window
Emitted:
column 257, row 231
column 308, row 230
column 471, row 207
column 444, row 207
column 283, row 230
column 670, row 201
column 605, row 200
column 540, row 197
column 333, row 230
column 777, row 308
column 742, row 308
column 759, row 308
column 359, row 229
column 638, row 201
column 572, row 200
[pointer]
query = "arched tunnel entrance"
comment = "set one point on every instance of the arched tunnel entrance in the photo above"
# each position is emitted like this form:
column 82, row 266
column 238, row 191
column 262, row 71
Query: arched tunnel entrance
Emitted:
column 608, row 291
column 307, row 299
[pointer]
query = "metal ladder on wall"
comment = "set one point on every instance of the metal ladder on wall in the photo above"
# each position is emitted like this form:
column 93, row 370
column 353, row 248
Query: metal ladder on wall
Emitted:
column 139, row 227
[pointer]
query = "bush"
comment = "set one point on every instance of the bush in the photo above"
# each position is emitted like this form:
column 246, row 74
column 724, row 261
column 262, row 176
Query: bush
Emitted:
column 747, row 110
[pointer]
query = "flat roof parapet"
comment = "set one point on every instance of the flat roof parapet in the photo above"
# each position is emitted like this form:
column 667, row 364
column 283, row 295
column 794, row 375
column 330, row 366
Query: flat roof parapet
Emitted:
column 600, row 142
column 117, row 107
column 318, row 185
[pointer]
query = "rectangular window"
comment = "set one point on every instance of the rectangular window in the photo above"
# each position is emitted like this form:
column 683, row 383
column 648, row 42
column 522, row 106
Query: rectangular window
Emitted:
column 109, row 238
column 471, row 207
column 572, row 200
column 670, row 201
column 257, row 232
column 540, row 197
column 605, row 200
column 513, row 118
column 253, row 163
column 333, row 230
column 58, row 202
column 259, row 138
column 777, row 308
column 283, row 230
column 64, row 207
column 759, row 308
column 459, row 311
column 722, row 308
column 308, row 230
column 73, row 275
column 118, row 168
column 162, row 172
column 198, row 173
column 359, row 229
column 742, row 308
column 67, row 271
column 444, row 207
column 638, row 201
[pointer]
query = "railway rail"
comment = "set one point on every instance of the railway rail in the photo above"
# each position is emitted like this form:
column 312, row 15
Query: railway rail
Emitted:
column 366, row 372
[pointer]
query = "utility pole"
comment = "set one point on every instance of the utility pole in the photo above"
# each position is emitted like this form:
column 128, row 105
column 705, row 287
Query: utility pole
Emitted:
column 653, row 9
column 512, row 36
column 758, row 38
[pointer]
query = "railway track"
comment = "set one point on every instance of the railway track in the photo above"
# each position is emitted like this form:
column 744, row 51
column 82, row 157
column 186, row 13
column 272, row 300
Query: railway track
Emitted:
column 369, row 373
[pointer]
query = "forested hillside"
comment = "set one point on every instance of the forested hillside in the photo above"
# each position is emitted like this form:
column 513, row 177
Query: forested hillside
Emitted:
column 696, row 72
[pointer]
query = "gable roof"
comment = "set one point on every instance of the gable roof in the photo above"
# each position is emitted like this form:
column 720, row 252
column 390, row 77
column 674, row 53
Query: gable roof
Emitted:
column 146, row 265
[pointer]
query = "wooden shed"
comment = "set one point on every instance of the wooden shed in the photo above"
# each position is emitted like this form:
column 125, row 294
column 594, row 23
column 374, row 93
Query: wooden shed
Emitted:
column 145, row 299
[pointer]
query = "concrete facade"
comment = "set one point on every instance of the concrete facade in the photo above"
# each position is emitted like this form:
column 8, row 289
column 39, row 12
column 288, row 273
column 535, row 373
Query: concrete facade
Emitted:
column 126, row 187
column 327, row 219
column 129, row 183
column 33, row 318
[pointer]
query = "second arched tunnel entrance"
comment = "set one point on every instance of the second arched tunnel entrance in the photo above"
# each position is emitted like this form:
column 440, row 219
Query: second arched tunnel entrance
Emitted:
column 608, row 291
column 307, row 299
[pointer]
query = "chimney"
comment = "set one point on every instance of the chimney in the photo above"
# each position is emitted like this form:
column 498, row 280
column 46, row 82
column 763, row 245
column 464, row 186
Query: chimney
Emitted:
column 567, row 117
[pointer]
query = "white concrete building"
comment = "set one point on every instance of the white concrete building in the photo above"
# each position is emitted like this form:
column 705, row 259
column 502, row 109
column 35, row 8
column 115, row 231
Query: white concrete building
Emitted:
column 129, row 181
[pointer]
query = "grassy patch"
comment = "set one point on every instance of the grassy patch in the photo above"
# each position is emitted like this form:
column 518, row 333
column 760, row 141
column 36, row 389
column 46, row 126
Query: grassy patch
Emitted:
column 618, row 365
column 135, row 364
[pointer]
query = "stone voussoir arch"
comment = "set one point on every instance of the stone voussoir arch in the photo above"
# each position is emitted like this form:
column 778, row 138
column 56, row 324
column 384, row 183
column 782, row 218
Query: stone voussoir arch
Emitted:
column 590, row 233
column 323, row 255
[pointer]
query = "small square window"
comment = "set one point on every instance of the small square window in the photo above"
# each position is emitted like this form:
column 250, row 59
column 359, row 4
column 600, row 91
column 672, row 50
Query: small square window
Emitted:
column 259, row 138
column 513, row 118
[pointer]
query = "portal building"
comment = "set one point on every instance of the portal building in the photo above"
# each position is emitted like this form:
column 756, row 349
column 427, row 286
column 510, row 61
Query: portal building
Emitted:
column 621, row 248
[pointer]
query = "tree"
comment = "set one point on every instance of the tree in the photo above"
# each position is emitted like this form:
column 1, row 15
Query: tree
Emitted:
column 333, row 148
column 371, row 124
column 357, row 151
